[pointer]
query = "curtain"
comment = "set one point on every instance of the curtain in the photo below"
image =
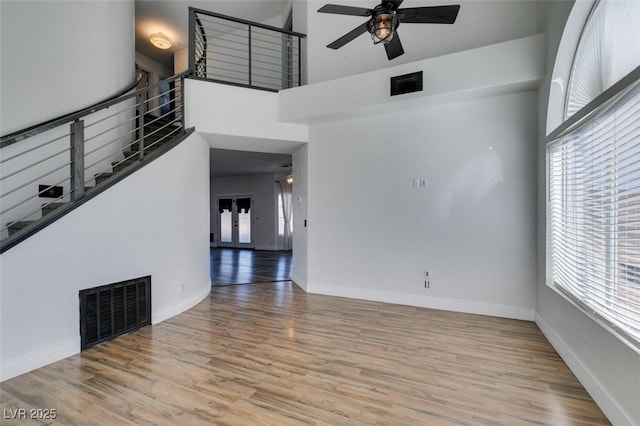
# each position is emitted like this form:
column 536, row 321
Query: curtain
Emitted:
column 243, row 204
column 285, row 199
column 224, row 204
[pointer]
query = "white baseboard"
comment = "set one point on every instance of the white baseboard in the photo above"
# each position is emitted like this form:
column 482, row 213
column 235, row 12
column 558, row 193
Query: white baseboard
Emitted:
column 38, row 358
column 180, row 307
column 299, row 281
column 607, row 404
column 456, row 305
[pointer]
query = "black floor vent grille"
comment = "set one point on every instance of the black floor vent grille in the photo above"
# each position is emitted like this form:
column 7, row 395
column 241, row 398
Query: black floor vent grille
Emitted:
column 111, row 310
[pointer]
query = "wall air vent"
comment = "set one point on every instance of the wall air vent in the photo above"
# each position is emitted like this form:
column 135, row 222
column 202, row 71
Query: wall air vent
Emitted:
column 111, row 310
column 407, row 83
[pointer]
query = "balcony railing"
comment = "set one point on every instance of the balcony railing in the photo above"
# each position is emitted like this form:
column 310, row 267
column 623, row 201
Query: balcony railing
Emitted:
column 243, row 53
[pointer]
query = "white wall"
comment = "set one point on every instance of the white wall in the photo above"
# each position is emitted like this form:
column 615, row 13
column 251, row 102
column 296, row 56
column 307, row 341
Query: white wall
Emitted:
column 180, row 61
column 608, row 369
column 372, row 233
column 153, row 223
column 237, row 118
column 500, row 68
column 300, row 162
column 156, row 69
column 264, row 217
column 49, row 69
column 479, row 23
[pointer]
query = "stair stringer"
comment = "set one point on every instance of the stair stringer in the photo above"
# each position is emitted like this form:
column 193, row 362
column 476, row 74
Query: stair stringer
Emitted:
column 154, row 222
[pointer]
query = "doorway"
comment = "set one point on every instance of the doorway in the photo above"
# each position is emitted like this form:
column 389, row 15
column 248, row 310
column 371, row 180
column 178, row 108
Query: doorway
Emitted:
column 234, row 221
column 167, row 100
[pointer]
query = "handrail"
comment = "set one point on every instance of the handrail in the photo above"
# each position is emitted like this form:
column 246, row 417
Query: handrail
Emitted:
column 25, row 133
column 85, row 153
column 246, row 22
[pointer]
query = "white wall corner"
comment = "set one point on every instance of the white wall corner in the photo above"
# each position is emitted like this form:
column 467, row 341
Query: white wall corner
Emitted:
column 607, row 404
column 300, row 282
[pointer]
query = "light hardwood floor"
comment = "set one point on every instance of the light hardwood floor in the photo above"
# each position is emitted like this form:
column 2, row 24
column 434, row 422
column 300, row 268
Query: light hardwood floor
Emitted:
column 270, row 354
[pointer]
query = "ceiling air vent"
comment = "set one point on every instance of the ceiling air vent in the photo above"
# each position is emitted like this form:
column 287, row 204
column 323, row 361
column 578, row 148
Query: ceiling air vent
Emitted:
column 407, row 83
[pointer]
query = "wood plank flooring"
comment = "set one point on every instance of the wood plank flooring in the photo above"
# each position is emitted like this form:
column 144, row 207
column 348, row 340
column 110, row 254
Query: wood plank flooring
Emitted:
column 271, row 354
column 242, row 266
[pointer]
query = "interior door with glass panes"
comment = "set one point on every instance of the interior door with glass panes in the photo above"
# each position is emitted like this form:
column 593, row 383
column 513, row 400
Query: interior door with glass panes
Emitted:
column 234, row 221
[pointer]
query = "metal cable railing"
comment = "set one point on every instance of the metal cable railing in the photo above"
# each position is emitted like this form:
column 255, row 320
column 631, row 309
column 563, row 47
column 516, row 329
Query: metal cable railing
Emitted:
column 239, row 52
column 46, row 166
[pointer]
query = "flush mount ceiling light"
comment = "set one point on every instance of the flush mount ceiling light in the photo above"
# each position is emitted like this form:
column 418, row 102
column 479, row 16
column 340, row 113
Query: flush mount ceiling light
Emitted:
column 160, row 41
column 289, row 179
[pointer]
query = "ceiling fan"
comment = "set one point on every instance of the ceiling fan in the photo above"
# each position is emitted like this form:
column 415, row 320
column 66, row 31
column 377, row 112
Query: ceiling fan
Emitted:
column 385, row 19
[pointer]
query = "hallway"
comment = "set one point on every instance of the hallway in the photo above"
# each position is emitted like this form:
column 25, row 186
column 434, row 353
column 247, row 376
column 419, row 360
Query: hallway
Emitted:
column 230, row 266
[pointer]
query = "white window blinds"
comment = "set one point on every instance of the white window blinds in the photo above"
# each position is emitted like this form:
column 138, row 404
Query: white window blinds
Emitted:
column 594, row 213
column 608, row 51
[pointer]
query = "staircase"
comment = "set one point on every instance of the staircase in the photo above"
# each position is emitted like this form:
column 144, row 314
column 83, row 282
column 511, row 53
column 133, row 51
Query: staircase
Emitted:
column 118, row 141
column 159, row 134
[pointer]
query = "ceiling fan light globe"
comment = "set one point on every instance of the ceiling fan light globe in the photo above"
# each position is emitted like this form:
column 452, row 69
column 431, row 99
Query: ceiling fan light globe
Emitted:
column 382, row 37
column 382, row 27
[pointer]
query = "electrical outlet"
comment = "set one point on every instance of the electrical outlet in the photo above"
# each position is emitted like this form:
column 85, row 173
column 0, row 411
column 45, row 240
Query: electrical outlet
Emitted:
column 426, row 274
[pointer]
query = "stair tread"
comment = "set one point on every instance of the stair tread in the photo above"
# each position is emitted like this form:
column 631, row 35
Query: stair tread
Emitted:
column 49, row 207
column 14, row 227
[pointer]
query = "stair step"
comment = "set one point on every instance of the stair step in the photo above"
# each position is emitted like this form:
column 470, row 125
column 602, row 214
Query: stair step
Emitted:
column 48, row 208
column 101, row 177
column 149, row 143
column 117, row 165
column 14, row 227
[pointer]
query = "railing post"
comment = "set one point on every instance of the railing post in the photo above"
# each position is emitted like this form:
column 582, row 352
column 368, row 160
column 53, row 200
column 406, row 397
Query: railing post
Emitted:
column 299, row 60
column 141, row 110
column 249, row 55
column 182, row 111
column 192, row 40
column 77, row 160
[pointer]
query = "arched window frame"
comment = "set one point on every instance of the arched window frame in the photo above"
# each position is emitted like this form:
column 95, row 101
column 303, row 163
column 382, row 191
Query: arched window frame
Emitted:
column 571, row 124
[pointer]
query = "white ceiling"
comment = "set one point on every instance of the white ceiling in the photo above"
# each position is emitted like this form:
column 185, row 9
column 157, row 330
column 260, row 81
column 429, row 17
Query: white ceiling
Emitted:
column 226, row 162
column 171, row 18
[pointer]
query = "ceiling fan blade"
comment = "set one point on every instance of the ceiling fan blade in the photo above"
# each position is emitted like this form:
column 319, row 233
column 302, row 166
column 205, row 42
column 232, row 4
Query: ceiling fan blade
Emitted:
column 351, row 35
column 392, row 4
column 345, row 10
column 429, row 14
column 394, row 47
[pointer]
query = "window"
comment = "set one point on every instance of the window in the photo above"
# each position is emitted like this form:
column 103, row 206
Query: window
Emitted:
column 594, row 173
